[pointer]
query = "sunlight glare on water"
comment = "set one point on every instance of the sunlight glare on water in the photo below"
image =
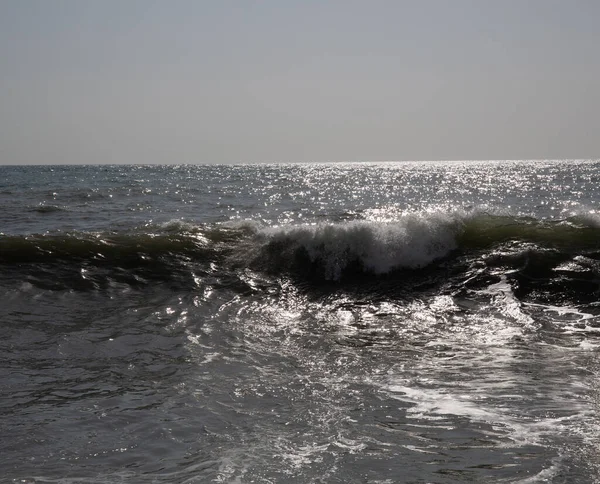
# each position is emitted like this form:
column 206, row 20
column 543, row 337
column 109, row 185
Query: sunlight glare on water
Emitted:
column 320, row 323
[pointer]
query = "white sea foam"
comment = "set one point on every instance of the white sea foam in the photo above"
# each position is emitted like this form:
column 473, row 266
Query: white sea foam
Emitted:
column 412, row 241
column 587, row 217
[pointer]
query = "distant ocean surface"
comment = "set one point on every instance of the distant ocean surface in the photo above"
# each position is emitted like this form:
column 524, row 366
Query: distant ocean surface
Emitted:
column 300, row 323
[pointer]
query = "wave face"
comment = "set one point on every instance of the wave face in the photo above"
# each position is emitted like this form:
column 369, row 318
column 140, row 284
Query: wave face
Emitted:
column 117, row 247
column 414, row 241
column 331, row 251
column 563, row 253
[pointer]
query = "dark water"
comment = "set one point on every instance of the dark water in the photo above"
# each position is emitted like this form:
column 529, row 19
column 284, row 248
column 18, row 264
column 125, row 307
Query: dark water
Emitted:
column 332, row 323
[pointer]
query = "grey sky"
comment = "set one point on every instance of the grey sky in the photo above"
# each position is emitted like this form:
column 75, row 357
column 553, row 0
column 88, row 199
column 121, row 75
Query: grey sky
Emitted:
column 145, row 81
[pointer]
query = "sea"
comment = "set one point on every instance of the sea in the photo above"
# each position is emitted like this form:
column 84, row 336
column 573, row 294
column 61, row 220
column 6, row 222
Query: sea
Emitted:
column 398, row 322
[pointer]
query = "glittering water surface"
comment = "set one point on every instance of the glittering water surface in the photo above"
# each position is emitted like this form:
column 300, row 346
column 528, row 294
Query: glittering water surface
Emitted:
column 390, row 322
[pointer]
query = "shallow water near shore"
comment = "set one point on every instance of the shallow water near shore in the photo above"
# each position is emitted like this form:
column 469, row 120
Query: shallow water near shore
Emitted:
column 373, row 322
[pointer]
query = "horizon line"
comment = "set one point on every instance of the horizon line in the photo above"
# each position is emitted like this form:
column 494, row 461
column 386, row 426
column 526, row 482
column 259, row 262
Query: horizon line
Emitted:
column 233, row 163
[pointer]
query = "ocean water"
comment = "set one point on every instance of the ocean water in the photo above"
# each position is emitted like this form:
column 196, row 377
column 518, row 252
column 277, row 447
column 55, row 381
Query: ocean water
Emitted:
column 306, row 323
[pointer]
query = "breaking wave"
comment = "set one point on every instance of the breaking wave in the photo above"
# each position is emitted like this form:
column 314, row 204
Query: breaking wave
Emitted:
column 334, row 251
column 330, row 251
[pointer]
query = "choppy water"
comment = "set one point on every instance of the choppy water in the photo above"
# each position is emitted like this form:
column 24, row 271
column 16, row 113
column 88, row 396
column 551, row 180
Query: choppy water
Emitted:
column 380, row 323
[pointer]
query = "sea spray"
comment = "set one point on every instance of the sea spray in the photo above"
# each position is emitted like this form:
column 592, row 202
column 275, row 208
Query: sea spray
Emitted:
column 411, row 242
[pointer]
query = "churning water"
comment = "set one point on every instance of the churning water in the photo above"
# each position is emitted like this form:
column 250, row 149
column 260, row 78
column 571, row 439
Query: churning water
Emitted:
column 319, row 323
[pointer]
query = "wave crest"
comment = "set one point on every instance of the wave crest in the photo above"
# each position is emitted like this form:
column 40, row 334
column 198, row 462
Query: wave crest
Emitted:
column 333, row 251
column 327, row 251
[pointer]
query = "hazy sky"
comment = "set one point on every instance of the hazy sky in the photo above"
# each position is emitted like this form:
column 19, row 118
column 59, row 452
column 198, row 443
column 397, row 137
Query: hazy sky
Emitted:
column 143, row 81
